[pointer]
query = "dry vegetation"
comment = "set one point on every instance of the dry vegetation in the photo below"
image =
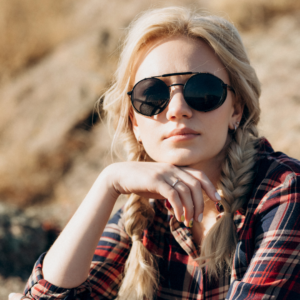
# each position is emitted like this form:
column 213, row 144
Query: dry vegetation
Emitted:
column 29, row 30
column 57, row 57
column 250, row 14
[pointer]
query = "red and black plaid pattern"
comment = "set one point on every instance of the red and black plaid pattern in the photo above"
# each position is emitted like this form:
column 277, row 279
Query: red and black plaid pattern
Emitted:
column 265, row 264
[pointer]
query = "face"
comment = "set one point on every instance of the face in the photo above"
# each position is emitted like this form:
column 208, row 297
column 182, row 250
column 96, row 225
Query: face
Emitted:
column 181, row 135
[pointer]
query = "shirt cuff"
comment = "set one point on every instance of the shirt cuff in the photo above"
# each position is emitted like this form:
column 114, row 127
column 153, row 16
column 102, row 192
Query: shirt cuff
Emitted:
column 38, row 288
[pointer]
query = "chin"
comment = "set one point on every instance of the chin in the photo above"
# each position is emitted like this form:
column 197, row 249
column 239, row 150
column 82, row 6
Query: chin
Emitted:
column 180, row 157
column 179, row 161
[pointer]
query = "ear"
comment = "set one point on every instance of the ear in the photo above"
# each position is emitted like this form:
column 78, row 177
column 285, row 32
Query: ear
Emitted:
column 237, row 113
column 135, row 126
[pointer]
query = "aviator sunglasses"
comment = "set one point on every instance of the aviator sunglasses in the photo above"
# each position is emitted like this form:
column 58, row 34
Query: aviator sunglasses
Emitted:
column 202, row 92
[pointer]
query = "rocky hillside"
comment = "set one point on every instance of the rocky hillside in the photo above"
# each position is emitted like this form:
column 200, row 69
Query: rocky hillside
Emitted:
column 52, row 143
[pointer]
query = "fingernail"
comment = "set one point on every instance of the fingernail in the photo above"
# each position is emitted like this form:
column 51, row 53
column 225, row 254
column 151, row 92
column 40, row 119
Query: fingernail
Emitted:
column 191, row 223
column 200, row 218
column 182, row 218
column 218, row 196
column 11, row 295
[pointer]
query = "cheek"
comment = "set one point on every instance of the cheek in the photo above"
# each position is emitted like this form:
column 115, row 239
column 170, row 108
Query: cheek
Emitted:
column 219, row 127
column 216, row 125
column 151, row 138
column 148, row 132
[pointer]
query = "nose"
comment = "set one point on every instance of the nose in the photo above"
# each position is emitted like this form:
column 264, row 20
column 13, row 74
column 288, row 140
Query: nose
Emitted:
column 178, row 108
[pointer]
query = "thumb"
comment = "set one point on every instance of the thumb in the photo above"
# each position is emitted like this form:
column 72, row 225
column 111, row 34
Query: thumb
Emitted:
column 16, row 296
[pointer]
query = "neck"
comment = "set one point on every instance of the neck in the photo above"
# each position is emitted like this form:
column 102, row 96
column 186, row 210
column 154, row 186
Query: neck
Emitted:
column 212, row 169
column 200, row 230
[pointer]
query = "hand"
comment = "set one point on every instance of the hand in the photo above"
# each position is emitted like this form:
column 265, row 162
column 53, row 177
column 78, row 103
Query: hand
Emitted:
column 16, row 296
column 156, row 180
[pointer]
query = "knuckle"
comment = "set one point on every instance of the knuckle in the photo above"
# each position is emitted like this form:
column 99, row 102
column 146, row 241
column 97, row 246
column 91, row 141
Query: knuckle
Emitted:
column 156, row 175
column 172, row 167
column 185, row 188
column 201, row 175
column 196, row 184
column 167, row 167
column 173, row 193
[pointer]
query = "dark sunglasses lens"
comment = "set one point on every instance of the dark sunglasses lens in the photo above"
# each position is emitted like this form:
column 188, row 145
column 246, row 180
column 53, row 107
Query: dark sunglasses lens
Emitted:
column 204, row 92
column 150, row 96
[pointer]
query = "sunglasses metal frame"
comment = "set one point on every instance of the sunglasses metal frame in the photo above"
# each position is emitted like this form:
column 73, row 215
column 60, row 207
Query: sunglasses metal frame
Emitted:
column 224, row 85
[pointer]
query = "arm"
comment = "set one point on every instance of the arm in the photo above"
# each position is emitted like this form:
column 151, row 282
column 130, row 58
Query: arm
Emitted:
column 105, row 274
column 68, row 262
column 69, row 268
column 273, row 271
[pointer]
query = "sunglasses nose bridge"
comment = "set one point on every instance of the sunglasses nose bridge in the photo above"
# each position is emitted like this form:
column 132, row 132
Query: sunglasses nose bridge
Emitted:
column 174, row 84
column 177, row 106
column 172, row 93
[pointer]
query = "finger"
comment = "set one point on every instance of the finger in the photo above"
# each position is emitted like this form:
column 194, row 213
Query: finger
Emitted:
column 187, row 202
column 196, row 197
column 149, row 195
column 169, row 207
column 169, row 193
column 206, row 184
column 16, row 296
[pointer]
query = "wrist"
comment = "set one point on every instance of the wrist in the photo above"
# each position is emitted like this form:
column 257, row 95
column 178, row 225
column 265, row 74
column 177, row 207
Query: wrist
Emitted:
column 107, row 179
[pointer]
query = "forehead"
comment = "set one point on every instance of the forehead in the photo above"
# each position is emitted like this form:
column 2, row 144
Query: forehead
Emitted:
column 174, row 55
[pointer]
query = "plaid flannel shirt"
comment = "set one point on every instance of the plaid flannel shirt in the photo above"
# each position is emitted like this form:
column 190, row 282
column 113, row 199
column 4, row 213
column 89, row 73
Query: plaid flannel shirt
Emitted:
column 265, row 264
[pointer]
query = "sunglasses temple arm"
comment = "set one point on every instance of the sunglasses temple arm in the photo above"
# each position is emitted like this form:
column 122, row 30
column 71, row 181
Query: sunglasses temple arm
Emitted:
column 230, row 88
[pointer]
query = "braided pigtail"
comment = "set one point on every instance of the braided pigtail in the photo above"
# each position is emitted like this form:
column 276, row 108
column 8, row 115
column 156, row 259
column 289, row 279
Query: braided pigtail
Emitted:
column 235, row 185
column 140, row 270
column 141, row 275
column 237, row 175
column 140, row 280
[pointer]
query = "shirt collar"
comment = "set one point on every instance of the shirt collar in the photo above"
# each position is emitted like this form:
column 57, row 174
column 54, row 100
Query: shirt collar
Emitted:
column 183, row 235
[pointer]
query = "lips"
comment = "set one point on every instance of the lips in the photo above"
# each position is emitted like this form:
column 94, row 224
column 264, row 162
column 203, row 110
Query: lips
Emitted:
column 181, row 132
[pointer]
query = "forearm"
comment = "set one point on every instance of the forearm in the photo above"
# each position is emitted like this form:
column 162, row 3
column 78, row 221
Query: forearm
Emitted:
column 68, row 261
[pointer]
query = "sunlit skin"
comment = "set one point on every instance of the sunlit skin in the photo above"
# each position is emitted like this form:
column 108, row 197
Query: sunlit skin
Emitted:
column 198, row 154
column 203, row 149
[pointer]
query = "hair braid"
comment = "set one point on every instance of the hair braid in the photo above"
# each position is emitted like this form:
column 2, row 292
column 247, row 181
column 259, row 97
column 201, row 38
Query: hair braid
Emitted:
column 237, row 173
column 235, row 183
column 140, row 280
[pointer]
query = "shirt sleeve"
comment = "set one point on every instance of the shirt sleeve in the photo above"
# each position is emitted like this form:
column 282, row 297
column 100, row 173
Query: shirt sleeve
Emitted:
column 274, row 268
column 105, row 274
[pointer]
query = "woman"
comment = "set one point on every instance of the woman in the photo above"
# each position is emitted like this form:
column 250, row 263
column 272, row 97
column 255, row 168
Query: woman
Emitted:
column 185, row 106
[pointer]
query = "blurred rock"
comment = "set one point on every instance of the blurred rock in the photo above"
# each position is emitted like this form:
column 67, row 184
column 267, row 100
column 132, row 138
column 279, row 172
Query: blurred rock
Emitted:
column 254, row 14
column 9, row 285
column 42, row 112
column 23, row 41
column 22, row 240
column 47, row 111
column 52, row 144
column 274, row 53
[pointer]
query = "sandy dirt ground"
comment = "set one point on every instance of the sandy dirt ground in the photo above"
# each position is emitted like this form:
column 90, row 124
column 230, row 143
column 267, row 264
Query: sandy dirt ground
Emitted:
column 52, row 140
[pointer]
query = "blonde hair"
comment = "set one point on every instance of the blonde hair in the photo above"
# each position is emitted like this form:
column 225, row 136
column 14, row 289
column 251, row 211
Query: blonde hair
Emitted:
column 141, row 277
